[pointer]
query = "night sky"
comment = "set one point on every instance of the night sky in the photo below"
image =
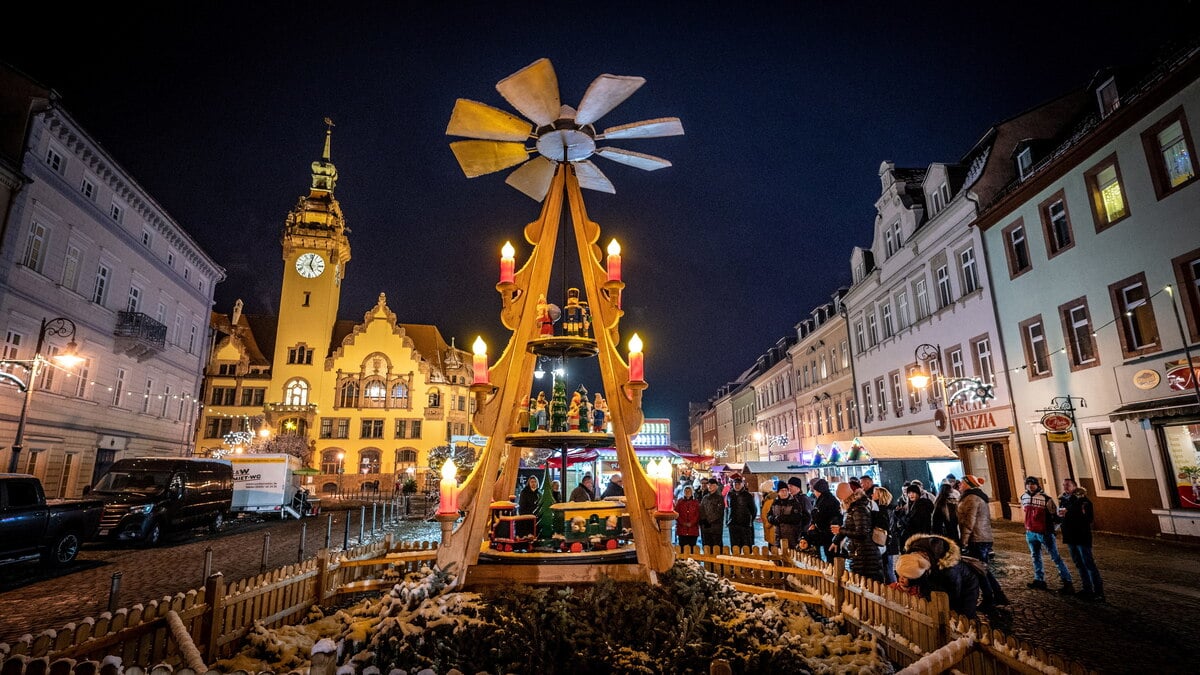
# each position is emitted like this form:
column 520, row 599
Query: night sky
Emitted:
column 216, row 109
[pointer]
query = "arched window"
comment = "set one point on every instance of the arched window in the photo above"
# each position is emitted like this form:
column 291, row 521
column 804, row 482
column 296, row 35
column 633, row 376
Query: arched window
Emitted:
column 329, row 461
column 374, row 394
column 369, row 461
column 295, row 392
column 406, row 456
column 348, row 395
column 400, row 395
column 435, row 398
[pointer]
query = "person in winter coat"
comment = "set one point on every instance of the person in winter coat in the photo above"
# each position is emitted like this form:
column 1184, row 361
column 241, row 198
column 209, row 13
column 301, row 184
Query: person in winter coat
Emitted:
column 740, row 513
column 585, row 491
column 712, row 516
column 1040, row 516
column 530, row 499
column 826, row 514
column 687, row 527
column 1076, row 511
column 919, row 515
column 789, row 517
column 615, row 487
column 855, row 531
column 884, row 517
column 935, row 563
column 975, row 527
column 945, row 513
column 764, row 514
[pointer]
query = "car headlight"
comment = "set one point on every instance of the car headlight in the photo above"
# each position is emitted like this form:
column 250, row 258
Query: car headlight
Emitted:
column 145, row 508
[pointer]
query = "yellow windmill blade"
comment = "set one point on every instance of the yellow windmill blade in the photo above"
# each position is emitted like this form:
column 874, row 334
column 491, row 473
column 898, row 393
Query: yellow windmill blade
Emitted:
column 473, row 119
column 533, row 91
column 478, row 158
column 662, row 126
column 605, row 93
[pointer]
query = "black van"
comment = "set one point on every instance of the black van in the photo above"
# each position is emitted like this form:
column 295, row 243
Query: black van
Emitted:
column 145, row 497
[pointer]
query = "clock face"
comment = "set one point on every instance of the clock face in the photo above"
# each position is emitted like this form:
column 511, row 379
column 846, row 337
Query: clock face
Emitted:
column 310, row 265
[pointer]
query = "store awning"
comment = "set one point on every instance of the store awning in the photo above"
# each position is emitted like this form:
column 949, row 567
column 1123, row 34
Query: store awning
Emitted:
column 1159, row 407
column 732, row 466
column 656, row 452
column 902, row 447
column 573, row 457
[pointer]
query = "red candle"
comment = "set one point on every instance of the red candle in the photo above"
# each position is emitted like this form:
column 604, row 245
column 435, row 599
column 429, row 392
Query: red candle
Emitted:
column 661, row 471
column 614, row 261
column 481, row 364
column 507, row 264
column 637, row 370
column 448, row 488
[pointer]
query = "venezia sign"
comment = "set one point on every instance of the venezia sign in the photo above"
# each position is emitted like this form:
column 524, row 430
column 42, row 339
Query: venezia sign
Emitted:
column 973, row 422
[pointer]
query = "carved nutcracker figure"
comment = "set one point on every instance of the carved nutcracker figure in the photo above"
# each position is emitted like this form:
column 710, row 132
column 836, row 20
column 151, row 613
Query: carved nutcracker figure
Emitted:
column 599, row 414
column 540, row 414
column 586, row 329
column 545, row 322
column 572, row 314
column 573, row 413
column 523, row 416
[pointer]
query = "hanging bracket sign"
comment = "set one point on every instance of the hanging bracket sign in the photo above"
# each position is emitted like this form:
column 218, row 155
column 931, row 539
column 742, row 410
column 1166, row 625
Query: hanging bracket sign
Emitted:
column 1060, row 436
column 1057, row 422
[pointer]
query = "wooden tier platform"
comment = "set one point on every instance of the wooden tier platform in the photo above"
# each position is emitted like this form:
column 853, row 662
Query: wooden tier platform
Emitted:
column 558, row 440
column 563, row 346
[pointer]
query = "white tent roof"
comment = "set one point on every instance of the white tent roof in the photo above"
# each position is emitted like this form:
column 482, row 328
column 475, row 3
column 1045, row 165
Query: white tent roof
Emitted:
column 904, row 447
column 777, row 467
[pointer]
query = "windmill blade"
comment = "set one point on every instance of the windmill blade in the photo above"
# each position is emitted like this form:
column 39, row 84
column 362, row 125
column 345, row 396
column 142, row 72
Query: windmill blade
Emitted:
column 533, row 177
column 591, row 177
column 605, row 93
column 477, row 120
column 641, row 161
column 478, row 158
column 533, row 91
column 663, row 126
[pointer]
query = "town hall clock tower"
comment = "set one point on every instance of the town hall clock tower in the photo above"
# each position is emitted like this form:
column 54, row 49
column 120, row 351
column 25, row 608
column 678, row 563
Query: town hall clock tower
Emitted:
column 315, row 253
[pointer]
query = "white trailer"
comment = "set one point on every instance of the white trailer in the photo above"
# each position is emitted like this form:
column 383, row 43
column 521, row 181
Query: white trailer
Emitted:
column 263, row 483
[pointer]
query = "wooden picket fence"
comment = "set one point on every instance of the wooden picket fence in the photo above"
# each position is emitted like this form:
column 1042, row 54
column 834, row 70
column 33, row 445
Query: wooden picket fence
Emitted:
column 216, row 618
column 909, row 628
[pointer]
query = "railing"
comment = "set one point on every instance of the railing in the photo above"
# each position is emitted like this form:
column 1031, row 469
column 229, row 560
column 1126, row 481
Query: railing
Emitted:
column 141, row 328
column 301, row 408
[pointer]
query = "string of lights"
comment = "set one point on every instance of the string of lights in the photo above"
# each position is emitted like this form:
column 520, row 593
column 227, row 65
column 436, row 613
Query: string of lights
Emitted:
column 69, row 374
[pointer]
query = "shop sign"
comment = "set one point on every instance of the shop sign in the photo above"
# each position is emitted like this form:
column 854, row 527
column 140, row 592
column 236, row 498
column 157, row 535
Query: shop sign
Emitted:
column 1146, row 379
column 1060, row 436
column 1181, row 376
column 1055, row 421
column 981, row 420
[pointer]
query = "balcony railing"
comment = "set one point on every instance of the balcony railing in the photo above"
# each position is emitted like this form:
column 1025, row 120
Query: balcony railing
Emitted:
column 304, row 408
column 142, row 336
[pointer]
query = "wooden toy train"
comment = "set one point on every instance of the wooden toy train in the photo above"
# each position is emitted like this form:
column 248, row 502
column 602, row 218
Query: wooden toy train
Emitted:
column 577, row 527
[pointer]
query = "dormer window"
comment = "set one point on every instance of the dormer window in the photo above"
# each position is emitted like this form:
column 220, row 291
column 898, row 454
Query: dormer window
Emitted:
column 1107, row 98
column 1024, row 162
column 935, row 203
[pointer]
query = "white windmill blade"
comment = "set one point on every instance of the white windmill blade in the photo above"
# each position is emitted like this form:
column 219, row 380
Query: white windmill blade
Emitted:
column 533, row 177
column 663, row 126
column 533, row 91
column 591, row 177
column 640, row 160
column 477, row 120
column 605, row 93
column 478, row 158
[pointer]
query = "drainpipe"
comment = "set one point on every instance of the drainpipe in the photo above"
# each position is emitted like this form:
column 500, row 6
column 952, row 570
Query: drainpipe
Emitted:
column 1012, row 404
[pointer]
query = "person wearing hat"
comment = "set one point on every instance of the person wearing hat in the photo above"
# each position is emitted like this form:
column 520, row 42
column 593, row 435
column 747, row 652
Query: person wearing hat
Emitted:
column 1040, row 516
column 857, row 525
column 687, row 527
column 935, row 563
column 918, row 516
column 712, row 516
column 741, row 511
column 975, row 527
column 826, row 515
column 1076, row 511
column 790, row 513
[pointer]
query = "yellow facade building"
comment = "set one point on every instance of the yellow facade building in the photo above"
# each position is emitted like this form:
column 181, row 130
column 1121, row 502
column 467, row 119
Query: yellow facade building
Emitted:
column 364, row 401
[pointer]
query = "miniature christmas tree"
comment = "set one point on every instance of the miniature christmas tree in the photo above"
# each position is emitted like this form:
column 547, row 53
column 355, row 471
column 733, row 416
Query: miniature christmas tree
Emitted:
column 545, row 521
column 558, row 407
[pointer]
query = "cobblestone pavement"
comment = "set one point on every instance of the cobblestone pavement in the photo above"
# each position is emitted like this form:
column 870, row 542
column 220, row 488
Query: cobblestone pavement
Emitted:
column 1148, row 624
column 33, row 599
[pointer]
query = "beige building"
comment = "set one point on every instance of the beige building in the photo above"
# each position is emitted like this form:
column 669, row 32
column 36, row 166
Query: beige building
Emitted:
column 365, row 400
column 824, row 401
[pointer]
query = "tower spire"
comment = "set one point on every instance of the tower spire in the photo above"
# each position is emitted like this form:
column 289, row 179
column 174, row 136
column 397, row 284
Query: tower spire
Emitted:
column 324, row 173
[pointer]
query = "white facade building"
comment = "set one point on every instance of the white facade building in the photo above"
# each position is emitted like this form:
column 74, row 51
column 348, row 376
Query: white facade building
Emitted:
column 776, row 422
column 83, row 241
column 1085, row 244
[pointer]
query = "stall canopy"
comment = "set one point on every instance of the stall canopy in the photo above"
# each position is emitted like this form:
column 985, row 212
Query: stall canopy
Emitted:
column 573, row 457
column 656, row 452
column 774, row 468
column 903, row 447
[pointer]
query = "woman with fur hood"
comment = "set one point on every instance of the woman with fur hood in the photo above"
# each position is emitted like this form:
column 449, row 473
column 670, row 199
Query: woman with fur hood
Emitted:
column 932, row 562
column 857, row 524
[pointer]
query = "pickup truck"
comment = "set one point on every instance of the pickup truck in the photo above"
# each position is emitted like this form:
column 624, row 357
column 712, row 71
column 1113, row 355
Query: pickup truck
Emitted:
column 31, row 527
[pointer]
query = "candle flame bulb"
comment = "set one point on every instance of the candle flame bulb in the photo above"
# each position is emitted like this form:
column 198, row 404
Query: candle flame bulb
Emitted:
column 614, row 248
column 479, row 347
column 635, row 344
column 449, row 470
column 508, row 251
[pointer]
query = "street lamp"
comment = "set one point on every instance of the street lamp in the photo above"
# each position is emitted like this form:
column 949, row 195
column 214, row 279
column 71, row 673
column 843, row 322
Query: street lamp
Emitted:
column 976, row 388
column 61, row 327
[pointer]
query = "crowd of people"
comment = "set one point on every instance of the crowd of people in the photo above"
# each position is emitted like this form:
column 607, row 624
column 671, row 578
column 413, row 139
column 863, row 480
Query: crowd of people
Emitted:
column 920, row 541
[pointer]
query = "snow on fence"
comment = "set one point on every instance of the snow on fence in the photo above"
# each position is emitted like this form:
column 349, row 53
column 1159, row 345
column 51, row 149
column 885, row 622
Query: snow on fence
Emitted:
column 916, row 633
column 217, row 616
